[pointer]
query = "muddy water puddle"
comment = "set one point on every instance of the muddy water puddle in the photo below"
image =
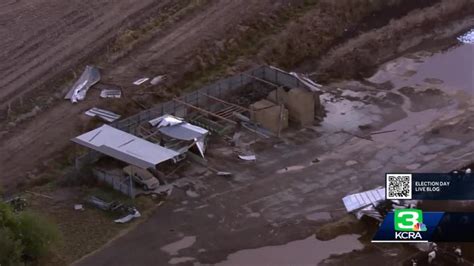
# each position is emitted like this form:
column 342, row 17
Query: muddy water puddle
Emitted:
column 309, row 251
column 452, row 68
column 423, row 82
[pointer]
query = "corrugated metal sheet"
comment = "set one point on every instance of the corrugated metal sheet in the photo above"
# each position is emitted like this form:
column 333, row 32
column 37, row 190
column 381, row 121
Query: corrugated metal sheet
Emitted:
column 89, row 77
column 110, row 93
column 177, row 128
column 125, row 147
column 360, row 200
column 184, row 131
column 103, row 114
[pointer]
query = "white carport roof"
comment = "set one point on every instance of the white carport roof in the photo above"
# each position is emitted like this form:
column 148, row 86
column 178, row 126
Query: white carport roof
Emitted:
column 125, row 147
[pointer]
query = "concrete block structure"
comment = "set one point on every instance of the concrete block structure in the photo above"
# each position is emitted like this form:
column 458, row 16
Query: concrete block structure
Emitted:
column 269, row 115
column 301, row 106
column 278, row 96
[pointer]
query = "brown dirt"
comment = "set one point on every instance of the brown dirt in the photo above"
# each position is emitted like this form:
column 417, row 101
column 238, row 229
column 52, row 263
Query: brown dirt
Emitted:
column 32, row 143
column 187, row 39
column 43, row 38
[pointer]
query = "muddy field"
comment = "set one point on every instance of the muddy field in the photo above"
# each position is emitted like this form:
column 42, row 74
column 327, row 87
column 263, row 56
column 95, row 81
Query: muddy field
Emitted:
column 192, row 41
column 61, row 53
column 269, row 211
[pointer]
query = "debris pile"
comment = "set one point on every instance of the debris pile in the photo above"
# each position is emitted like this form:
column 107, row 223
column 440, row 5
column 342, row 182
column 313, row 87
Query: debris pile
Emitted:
column 176, row 129
column 114, row 206
column 104, row 205
column 18, row 204
column 372, row 203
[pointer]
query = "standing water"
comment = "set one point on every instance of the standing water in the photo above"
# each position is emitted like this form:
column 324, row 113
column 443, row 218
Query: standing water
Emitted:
column 309, row 251
column 453, row 67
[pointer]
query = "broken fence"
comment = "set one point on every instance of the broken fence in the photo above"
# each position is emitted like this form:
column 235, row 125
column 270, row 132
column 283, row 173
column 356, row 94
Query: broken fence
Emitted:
column 120, row 183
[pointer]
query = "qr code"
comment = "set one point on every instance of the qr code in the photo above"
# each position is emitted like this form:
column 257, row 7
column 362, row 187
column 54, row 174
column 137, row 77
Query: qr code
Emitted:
column 398, row 186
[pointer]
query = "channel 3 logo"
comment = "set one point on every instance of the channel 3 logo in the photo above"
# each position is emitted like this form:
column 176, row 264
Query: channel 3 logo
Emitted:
column 409, row 220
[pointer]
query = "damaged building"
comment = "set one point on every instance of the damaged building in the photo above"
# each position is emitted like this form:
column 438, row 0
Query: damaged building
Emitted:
column 264, row 101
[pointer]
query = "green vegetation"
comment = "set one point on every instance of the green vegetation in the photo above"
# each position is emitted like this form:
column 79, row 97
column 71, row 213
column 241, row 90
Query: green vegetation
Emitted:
column 24, row 236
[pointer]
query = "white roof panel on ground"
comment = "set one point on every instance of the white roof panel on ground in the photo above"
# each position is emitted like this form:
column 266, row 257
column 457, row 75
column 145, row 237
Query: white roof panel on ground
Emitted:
column 184, row 131
column 177, row 128
column 360, row 200
column 125, row 147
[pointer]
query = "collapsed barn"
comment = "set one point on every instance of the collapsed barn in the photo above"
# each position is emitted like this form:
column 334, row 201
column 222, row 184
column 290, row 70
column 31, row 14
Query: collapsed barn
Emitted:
column 264, row 101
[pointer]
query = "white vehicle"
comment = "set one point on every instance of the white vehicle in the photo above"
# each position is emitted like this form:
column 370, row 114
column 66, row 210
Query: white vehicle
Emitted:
column 142, row 177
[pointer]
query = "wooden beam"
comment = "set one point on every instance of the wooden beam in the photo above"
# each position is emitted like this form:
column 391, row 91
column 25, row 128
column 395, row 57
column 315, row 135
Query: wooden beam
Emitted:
column 264, row 81
column 224, row 102
column 204, row 111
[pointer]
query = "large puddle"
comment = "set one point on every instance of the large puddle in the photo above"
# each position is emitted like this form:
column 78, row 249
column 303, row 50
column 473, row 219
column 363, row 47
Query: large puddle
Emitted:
column 309, row 251
column 422, row 80
column 452, row 68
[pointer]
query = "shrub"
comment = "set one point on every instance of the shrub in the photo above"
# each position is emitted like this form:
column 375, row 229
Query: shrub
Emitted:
column 24, row 235
column 10, row 248
column 37, row 235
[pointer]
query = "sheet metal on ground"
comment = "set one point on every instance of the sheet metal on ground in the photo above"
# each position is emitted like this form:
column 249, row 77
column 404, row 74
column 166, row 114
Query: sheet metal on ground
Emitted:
column 360, row 200
column 125, row 147
column 104, row 114
column 89, row 77
column 184, row 131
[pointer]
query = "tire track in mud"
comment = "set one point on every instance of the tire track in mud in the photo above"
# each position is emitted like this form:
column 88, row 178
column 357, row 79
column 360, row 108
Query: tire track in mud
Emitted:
column 58, row 121
column 45, row 38
column 40, row 137
column 59, row 44
column 173, row 48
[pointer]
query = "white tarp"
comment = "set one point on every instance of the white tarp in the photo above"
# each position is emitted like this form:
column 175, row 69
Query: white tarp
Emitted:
column 360, row 200
column 125, row 147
